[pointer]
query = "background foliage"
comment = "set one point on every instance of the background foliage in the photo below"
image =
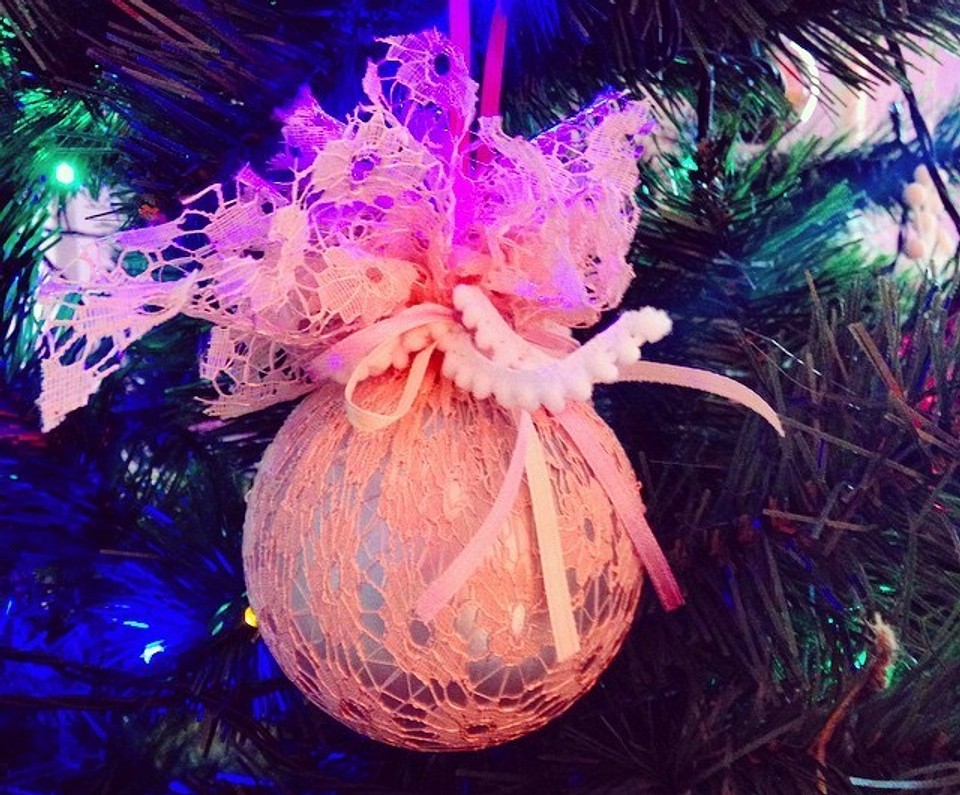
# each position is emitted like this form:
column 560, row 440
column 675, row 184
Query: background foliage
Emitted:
column 125, row 662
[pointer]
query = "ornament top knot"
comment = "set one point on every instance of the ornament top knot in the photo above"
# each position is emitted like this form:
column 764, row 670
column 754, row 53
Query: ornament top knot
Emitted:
column 396, row 206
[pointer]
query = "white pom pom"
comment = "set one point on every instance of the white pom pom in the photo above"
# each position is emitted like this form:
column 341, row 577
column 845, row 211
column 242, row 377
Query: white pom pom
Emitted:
column 469, row 316
column 654, row 324
column 482, row 385
column 450, row 365
column 551, row 395
column 438, row 330
column 627, row 352
column 526, row 397
column 503, row 353
column 379, row 361
column 415, row 340
column 400, row 359
column 464, row 378
column 503, row 392
column 462, row 295
column 579, row 387
column 495, row 360
column 484, row 337
column 603, row 370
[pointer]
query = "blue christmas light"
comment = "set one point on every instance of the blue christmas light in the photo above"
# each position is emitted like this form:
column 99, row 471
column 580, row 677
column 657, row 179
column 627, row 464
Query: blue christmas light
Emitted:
column 151, row 649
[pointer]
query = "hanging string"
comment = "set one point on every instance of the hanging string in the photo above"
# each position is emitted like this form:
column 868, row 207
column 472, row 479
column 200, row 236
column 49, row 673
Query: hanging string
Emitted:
column 460, row 28
column 492, row 84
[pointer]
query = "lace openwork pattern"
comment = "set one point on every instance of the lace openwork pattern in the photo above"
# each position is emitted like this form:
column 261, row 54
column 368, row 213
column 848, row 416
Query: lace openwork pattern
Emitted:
column 345, row 530
column 397, row 205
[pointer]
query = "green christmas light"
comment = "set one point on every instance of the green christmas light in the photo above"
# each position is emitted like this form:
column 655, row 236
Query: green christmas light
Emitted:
column 65, row 174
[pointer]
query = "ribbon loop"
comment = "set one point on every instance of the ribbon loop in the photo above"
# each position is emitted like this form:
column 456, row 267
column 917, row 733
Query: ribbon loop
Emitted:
column 366, row 420
column 527, row 456
column 371, row 351
column 341, row 360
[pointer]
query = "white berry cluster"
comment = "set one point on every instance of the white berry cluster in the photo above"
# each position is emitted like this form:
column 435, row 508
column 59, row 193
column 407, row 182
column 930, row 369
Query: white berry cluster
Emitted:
column 929, row 234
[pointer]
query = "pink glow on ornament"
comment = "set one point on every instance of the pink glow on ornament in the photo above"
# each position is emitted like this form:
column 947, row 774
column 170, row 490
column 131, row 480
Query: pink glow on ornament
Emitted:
column 864, row 114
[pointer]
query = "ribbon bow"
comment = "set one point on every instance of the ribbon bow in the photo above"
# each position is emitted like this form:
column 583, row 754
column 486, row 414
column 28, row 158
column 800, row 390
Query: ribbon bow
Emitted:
column 483, row 356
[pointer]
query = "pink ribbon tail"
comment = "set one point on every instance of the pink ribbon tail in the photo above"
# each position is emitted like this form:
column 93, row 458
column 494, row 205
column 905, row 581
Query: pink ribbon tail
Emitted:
column 626, row 504
column 455, row 576
column 566, row 638
column 693, row 378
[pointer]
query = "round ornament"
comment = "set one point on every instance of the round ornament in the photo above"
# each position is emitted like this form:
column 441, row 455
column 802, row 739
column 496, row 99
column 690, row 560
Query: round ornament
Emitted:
column 444, row 545
column 345, row 530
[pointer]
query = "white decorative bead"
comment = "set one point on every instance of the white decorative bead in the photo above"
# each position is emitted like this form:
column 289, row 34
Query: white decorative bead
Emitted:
column 628, row 352
column 379, row 360
column 526, row 397
column 415, row 340
column 400, row 359
column 655, row 322
column 482, row 385
column 503, row 393
column 553, row 398
column 580, row 388
column 449, row 368
column 484, row 339
column 464, row 378
column 485, row 356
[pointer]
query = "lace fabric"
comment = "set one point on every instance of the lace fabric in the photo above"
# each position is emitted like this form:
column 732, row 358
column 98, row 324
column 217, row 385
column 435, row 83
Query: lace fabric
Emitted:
column 345, row 530
column 400, row 203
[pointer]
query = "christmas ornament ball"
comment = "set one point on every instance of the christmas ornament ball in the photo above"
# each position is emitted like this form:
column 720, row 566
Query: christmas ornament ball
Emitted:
column 345, row 529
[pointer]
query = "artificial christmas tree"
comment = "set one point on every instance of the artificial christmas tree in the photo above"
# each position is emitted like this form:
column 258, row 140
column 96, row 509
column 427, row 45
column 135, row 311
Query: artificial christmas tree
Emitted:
column 126, row 639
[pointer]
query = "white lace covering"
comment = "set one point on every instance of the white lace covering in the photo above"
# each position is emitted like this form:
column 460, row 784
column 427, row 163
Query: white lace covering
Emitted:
column 395, row 206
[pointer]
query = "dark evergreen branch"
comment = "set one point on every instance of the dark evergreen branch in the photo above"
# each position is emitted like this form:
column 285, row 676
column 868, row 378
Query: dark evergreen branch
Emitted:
column 785, row 551
column 706, row 96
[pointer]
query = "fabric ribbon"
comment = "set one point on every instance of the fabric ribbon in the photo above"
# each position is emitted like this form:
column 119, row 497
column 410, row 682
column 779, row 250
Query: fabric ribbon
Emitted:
column 374, row 349
column 420, row 330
